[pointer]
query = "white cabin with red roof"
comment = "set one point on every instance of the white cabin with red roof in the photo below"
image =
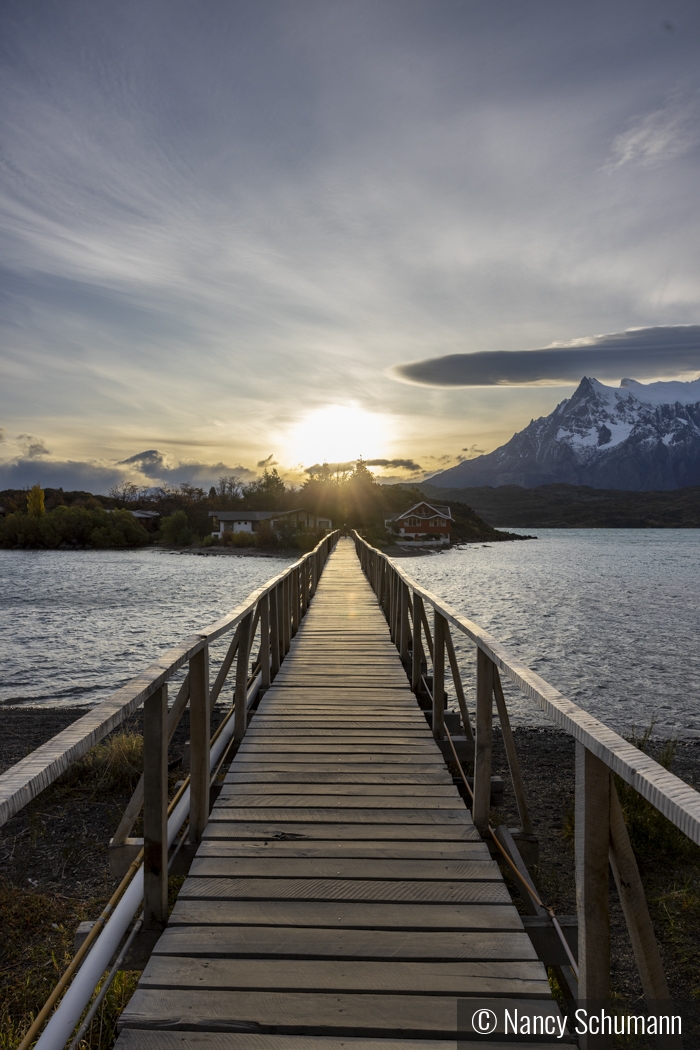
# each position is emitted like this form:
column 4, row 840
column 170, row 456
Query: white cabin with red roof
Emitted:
column 423, row 523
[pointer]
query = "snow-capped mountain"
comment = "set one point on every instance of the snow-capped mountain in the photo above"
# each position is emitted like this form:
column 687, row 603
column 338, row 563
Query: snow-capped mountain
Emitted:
column 638, row 437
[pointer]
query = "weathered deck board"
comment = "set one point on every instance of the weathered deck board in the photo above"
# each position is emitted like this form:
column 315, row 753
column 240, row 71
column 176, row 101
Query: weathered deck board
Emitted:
column 149, row 1039
column 341, row 889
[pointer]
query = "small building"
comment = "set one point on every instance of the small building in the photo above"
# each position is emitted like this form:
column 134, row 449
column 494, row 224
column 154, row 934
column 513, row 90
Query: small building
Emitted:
column 251, row 520
column 423, row 524
column 150, row 519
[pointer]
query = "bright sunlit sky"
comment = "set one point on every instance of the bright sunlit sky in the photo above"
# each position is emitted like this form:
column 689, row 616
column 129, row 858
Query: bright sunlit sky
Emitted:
column 228, row 225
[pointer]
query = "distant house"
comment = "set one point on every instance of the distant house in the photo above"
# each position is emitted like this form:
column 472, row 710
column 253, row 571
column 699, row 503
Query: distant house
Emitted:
column 250, row 520
column 150, row 519
column 423, row 523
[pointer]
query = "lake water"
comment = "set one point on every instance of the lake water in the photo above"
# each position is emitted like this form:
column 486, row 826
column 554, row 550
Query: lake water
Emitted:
column 609, row 617
column 76, row 625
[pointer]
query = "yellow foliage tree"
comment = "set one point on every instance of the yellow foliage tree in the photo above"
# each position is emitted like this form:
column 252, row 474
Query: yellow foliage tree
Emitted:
column 35, row 501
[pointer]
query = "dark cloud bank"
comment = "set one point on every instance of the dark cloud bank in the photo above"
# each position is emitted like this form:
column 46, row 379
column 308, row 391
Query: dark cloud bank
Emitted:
column 642, row 353
column 149, row 468
column 397, row 464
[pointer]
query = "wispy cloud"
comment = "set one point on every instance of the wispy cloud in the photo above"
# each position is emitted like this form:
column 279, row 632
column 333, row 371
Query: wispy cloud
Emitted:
column 640, row 353
column 217, row 218
column 661, row 135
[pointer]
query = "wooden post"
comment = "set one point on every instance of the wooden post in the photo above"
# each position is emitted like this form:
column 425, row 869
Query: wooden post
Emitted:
column 512, row 754
column 241, row 690
column 439, row 677
column 155, row 809
column 294, row 582
column 265, row 641
column 199, row 743
column 284, row 622
column 428, row 635
column 403, row 623
column 391, row 603
column 417, row 644
column 592, row 843
column 457, row 679
column 484, row 740
column 305, row 585
column 275, row 630
column 634, row 905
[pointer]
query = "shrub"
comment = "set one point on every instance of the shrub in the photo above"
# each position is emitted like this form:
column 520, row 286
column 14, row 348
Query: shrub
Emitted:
column 176, row 530
column 240, row 539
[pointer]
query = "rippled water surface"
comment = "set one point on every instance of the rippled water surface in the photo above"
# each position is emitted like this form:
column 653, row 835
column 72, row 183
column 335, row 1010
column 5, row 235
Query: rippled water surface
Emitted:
column 611, row 617
column 78, row 624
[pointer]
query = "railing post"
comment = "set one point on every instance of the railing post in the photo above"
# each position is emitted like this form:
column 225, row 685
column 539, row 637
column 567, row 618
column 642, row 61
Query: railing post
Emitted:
column 265, row 641
column 275, row 630
column 484, row 738
column 155, row 809
column 439, row 677
column 391, row 603
column 240, row 716
column 200, row 731
column 305, row 585
column 417, row 644
column 403, row 623
column 294, row 584
column 284, row 618
column 592, row 845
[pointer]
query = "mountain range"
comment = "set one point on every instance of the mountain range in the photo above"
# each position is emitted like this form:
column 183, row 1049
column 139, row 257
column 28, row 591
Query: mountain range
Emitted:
column 638, row 437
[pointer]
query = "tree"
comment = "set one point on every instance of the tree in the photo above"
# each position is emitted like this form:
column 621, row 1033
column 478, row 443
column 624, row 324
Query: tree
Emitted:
column 35, row 502
column 267, row 493
column 230, row 488
column 127, row 492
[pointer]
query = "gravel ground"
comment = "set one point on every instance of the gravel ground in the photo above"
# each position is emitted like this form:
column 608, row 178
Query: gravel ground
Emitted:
column 58, row 844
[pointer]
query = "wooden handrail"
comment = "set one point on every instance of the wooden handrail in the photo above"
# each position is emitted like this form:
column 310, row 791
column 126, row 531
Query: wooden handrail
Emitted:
column 679, row 802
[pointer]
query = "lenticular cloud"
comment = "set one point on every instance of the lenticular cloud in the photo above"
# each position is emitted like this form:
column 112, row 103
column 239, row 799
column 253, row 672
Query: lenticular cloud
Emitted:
column 645, row 353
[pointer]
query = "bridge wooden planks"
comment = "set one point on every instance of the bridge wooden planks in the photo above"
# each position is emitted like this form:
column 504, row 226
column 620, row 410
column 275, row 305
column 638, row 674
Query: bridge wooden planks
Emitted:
column 341, row 889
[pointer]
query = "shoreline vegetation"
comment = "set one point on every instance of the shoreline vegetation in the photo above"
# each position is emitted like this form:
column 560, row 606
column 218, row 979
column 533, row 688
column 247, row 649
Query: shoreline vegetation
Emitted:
column 52, row 519
column 55, row 866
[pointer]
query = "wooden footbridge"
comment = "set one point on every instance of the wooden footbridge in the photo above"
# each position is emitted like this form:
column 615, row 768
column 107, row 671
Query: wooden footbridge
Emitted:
column 340, row 892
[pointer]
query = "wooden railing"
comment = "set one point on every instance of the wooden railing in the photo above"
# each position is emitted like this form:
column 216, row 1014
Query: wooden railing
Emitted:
column 601, row 836
column 270, row 614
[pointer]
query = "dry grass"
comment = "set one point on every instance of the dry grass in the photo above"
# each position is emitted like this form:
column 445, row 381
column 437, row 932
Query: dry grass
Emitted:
column 112, row 767
column 38, row 924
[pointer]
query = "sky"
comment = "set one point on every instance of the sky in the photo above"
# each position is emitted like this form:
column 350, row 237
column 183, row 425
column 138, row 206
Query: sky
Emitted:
column 247, row 233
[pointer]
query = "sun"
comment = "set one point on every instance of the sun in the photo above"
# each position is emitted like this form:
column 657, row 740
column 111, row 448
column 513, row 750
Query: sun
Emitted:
column 338, row 434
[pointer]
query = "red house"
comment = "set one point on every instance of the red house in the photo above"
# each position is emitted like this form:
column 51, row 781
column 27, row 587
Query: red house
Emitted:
column 423, row 523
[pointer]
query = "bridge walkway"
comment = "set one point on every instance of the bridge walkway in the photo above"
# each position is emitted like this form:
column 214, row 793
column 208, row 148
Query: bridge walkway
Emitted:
column 341, row 889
